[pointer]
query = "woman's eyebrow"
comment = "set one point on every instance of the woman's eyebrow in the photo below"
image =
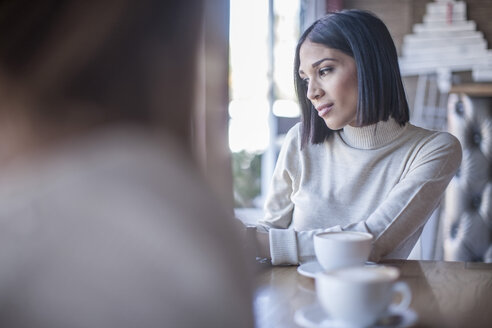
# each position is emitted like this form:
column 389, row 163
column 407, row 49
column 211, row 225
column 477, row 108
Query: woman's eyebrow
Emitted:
column 322, row 60
column 317, row 63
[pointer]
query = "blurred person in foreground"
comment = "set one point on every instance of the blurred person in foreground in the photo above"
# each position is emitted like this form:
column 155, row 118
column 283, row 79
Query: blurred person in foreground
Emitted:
column 104, row 221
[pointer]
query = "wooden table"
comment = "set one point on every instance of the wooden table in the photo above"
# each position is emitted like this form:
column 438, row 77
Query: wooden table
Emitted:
column 445, row 294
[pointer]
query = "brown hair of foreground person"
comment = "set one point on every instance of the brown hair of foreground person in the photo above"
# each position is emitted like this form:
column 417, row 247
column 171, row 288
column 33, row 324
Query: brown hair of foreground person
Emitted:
column 80, row 64
column 104, row 222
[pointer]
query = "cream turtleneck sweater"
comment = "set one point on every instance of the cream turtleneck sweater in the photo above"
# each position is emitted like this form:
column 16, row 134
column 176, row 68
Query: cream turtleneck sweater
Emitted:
column 383, row 179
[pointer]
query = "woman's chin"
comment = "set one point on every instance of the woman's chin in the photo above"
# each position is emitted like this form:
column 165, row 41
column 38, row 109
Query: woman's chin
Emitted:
column 334, row 125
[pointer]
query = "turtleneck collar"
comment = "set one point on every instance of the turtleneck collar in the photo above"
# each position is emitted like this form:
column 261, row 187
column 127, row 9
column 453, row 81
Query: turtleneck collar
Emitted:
column 372, row 136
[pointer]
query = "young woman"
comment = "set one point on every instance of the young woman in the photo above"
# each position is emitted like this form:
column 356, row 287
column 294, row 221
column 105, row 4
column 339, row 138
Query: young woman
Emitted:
column 353, row 162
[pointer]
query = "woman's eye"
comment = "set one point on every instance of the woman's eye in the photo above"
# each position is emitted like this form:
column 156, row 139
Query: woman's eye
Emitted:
column 305, row 81
column 325, row 70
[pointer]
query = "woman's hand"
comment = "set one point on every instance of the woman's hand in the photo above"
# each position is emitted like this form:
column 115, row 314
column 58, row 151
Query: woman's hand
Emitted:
column 262, row 244
column 255, row 239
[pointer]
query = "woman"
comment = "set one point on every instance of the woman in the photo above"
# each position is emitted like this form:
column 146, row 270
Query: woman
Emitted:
column 104, row 220
column 354, row 162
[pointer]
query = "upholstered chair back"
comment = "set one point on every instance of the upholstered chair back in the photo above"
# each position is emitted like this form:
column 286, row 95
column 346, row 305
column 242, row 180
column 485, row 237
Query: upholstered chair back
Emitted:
column 467, row 220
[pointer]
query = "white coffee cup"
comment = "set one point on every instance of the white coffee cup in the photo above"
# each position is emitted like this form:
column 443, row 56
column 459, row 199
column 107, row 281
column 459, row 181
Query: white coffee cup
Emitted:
column 335, row 250
column 361, row 295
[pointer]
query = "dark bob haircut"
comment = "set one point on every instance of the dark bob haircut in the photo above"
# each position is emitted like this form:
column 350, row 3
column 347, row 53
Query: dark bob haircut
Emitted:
column 364, row 37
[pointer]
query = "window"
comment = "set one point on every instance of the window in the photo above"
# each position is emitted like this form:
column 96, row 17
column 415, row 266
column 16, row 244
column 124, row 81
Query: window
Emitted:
column 263, row 36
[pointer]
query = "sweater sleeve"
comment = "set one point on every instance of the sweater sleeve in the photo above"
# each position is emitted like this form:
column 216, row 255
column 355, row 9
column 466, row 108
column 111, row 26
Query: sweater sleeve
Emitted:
column 411, row 202
column 278, row 204
column 403, row 212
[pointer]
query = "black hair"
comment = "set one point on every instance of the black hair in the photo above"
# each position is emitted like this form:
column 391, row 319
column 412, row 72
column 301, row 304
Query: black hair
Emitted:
column 364, row 37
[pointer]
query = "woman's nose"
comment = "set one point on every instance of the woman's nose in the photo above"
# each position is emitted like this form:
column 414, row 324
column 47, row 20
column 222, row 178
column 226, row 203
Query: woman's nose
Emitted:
column 314, row 91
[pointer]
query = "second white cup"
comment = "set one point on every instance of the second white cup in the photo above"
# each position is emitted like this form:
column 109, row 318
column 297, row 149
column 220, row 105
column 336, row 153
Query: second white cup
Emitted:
column 359, row 296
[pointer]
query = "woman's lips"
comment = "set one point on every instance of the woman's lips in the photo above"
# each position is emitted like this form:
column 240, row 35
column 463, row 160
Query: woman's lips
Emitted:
column 324, row 109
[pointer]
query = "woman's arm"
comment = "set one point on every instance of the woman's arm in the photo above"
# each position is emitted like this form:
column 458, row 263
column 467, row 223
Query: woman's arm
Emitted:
column 412, row 201
column 404, row 211
column 278, row 203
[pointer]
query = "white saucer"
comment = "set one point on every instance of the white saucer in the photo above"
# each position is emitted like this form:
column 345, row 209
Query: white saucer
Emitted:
column 313, row 316
column 310, row 269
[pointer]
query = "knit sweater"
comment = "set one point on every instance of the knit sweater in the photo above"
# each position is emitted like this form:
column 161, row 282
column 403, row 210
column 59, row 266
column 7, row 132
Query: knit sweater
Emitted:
column 117, row 229
column 384, row 179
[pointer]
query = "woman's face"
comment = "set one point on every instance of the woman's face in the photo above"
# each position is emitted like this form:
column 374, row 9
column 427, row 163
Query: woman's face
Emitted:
column 331, row 80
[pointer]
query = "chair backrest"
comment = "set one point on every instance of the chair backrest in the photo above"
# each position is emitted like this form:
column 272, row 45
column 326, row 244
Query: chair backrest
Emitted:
column 467, row 223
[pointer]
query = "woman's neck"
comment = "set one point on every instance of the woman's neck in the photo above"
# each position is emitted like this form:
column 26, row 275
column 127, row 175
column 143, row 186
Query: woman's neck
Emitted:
column 371, row 136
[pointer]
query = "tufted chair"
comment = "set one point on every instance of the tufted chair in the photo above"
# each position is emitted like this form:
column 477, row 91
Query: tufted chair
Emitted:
column 467, row 220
